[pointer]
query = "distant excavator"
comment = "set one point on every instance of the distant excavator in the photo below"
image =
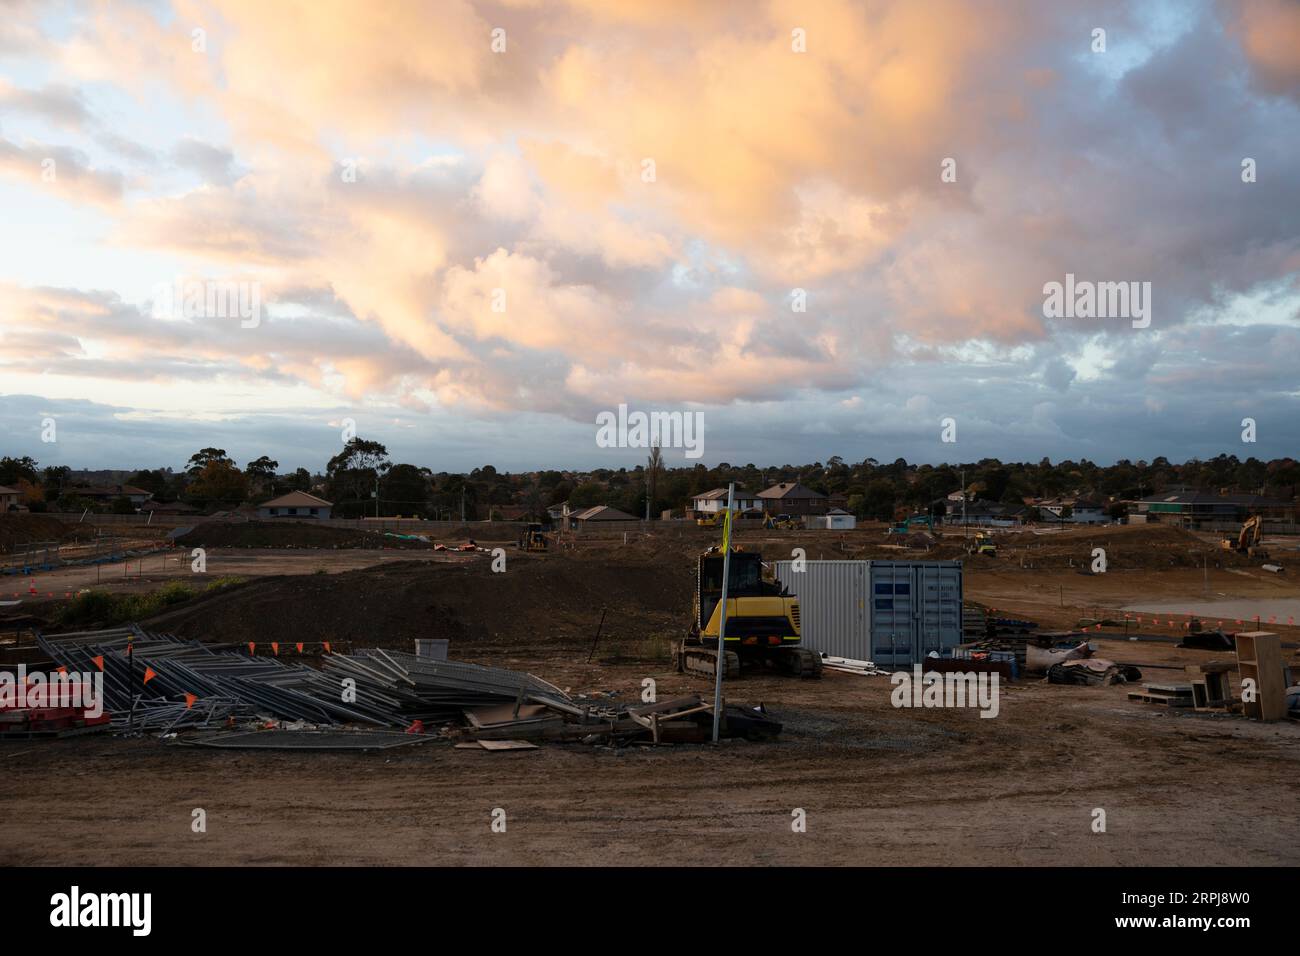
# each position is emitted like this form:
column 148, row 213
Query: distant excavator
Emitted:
column 533, row 538
column 1249, row 540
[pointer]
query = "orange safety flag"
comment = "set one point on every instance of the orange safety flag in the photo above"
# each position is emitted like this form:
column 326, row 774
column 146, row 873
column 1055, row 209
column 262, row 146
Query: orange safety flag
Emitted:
column 251, row 647
column 299, row 646
column 99, row 661
column 327, row 647
column 148, row 675
column 62, row 668
column 189, row 701
column 275, row 647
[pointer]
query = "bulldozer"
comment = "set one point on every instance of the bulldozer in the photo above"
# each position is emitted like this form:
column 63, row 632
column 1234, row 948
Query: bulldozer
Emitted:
column 780, row 522
column 533, row 538
column 1249, row 539
column 762, row 621
column 984, row 544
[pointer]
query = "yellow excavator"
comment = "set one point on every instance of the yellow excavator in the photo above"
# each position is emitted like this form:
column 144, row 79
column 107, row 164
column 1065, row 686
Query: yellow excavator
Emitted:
column 1249, row 539
column 533, row 538
column 762, row 621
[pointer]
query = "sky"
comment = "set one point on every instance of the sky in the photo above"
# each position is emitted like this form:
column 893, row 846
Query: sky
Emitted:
column 466, row 229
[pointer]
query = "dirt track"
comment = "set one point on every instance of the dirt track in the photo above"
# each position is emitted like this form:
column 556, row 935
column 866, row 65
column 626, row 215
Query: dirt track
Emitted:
column 880, row 785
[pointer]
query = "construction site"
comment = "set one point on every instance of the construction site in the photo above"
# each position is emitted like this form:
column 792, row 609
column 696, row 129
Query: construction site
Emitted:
column 367, row 697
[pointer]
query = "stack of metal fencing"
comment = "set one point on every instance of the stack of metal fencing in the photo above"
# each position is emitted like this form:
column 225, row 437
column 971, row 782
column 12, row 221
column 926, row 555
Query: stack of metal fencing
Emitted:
column 423, row 689
column 191, row 684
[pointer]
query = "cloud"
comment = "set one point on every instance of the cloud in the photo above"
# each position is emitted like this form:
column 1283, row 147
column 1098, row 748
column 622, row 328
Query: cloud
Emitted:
column 647, row 188
column 213, row 164
column 62, row 170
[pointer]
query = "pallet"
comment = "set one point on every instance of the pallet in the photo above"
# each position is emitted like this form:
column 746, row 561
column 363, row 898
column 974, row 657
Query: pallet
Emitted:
column 1167, row 700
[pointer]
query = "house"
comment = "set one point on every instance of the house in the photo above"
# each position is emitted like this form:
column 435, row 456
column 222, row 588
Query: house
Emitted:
column 10, row 498
column 1082, row 510
column 296, row 504
column 792, row 498
column 602, row 518
column 715, row 502
column 110, row 493
column 1195, row 508
column 980, row 513
column 837, row 519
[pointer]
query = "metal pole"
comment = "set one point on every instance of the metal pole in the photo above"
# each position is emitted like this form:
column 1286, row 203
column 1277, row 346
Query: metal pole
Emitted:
column 722, row 611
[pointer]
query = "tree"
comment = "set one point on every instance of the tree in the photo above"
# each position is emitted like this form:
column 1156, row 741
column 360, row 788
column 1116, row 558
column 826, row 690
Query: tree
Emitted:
column 154, row 482
column 654, row 465
column 54, row 478
column 261, row 473
column 33, row 494
column 204, row 457
column 352, row 475
column 220, row 482
column 404, row 491
column 13, row 470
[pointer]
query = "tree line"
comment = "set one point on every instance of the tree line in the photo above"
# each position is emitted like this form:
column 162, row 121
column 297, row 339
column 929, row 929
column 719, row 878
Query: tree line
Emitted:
column 362, row 480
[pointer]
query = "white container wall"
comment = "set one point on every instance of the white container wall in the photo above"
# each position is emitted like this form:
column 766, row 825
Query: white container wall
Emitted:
column 890, row 612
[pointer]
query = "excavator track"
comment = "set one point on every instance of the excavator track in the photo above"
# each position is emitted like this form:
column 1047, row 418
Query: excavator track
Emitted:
column 702, row 661
column 802, row 662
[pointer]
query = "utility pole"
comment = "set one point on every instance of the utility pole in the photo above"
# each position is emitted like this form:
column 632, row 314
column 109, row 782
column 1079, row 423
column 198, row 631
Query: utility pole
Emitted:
column 462, row 504
column 720, row 664
column 964, row 527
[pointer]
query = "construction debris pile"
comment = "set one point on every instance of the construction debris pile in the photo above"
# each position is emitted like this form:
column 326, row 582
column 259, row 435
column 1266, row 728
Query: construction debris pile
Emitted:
column 162, row 683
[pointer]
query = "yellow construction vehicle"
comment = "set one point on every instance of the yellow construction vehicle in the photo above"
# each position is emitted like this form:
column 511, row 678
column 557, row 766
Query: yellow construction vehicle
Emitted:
column 533, row 538
column 762, row 621
column 780, row 523
column 984, row 544
column 1249, row 539
column 710, row 520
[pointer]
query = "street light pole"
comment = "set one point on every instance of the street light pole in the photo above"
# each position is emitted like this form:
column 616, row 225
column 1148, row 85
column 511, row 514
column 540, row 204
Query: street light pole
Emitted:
column 719, row 666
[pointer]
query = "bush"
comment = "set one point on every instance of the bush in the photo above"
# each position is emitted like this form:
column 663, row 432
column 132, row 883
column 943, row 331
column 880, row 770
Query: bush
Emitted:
column 103, row 607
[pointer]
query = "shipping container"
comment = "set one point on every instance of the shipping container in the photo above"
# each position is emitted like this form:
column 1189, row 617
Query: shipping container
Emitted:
column 891, row 612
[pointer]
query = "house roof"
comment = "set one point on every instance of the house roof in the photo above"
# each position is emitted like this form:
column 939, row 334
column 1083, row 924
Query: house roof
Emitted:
column 1204, row 498
column 296, row 499
column 5, row 490
column 112, row 492
column 176, row 506
column 839, row 511
column 788, row 490
column 720, row 493
column 602, row 513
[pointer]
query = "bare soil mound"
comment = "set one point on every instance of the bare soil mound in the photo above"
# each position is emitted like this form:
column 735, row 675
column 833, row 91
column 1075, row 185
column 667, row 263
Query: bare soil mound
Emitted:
column 554, row 600
column 22, row 528
column 288, row 534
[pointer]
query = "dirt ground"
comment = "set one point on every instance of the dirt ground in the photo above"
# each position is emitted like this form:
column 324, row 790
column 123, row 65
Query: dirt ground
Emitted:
column 879, row 785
